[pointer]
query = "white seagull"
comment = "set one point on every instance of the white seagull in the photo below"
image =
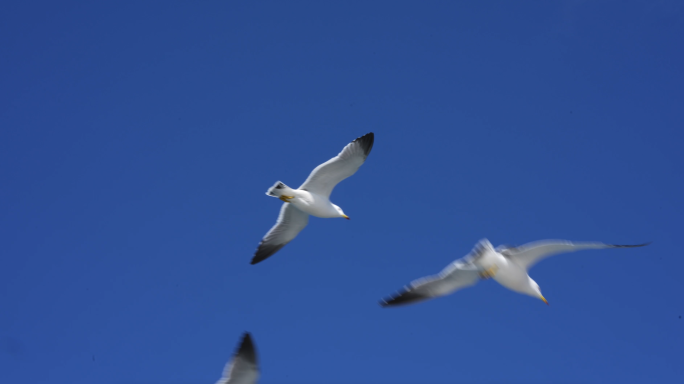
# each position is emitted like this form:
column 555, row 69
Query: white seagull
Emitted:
column 505, row 264
column 312, row 197
column 244, row 368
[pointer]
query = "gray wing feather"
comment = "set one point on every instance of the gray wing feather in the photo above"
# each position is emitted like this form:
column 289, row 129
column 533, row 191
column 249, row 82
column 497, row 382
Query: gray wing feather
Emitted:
column 326, row 176
column 531, row 253
column 290, row 222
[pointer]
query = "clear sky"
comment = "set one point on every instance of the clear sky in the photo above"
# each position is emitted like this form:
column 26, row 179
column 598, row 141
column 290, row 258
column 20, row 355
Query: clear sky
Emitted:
column 138, row 139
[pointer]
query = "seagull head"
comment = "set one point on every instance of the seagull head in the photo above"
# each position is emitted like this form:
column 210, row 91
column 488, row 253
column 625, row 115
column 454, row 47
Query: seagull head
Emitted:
column 339, row 210
column 534, row 291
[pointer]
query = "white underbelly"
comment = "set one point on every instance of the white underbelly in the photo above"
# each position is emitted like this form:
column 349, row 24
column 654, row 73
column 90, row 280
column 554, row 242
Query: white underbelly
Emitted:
column 315, row 206
column 512, row 277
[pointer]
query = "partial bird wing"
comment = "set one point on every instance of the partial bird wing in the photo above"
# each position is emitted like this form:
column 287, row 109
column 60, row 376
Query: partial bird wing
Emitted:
column 244, row 368
column 458, row 275
column 529, row 254
column 480, row 249
column 325, row 177
column 290, row 222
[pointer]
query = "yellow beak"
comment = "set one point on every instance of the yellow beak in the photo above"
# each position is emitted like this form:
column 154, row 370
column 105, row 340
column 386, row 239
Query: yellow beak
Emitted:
column 543, row 299
column 346, row 217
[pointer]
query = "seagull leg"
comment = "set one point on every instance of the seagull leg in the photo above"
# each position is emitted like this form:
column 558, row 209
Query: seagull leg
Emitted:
column 489, row 272
column 286, row 198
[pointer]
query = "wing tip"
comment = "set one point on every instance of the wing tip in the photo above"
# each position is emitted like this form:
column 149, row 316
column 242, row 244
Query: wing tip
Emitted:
column 630, row 245
column 246, row 348
column 402, row 298
column 257, row 258
column 366, row 142
column 264, row 251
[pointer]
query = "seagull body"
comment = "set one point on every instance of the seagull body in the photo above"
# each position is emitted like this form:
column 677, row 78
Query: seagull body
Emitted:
column 505, row 264
column 313, row 204
column 244, row 368
column 312, row 197
column 508, row 273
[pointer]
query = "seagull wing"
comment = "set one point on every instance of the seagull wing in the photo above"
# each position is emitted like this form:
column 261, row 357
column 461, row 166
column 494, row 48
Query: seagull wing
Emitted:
column 290, row 222
column 458, row 275
column 325, row 177
column 529, row 254
column 244, row 368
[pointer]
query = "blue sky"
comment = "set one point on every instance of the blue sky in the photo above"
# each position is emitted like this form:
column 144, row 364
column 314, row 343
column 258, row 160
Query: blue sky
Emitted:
column 137, row 141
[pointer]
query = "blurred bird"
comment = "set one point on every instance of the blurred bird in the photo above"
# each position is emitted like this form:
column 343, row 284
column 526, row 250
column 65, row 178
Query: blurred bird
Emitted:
column 506, row 264
column 244, row 368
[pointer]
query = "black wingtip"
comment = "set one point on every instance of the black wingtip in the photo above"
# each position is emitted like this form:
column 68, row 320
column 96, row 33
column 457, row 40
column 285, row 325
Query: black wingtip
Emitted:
column 246, row 349
column 264, row 251
column 246, row 339
column 402, row 298
column 257, row 258
column 366, row 141
column 630, row 246
column 388, row 302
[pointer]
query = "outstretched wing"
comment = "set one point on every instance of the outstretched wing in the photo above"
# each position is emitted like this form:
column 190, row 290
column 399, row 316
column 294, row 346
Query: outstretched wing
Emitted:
column 458, row 275
column 529, row 254
column 290, row 222
column 325, row 177
column 244, row 368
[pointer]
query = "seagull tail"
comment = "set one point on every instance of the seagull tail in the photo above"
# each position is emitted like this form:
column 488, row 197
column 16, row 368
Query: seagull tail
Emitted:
column 279, row 189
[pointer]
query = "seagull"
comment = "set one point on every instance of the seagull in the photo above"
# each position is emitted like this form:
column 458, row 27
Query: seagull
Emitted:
column 312, row 197
column 244, row 368
column 508, row 265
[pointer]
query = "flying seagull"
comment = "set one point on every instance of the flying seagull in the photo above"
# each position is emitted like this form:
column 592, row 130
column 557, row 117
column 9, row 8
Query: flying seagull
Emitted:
column 506, row 264
column 244, row 368
column 312, row 197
